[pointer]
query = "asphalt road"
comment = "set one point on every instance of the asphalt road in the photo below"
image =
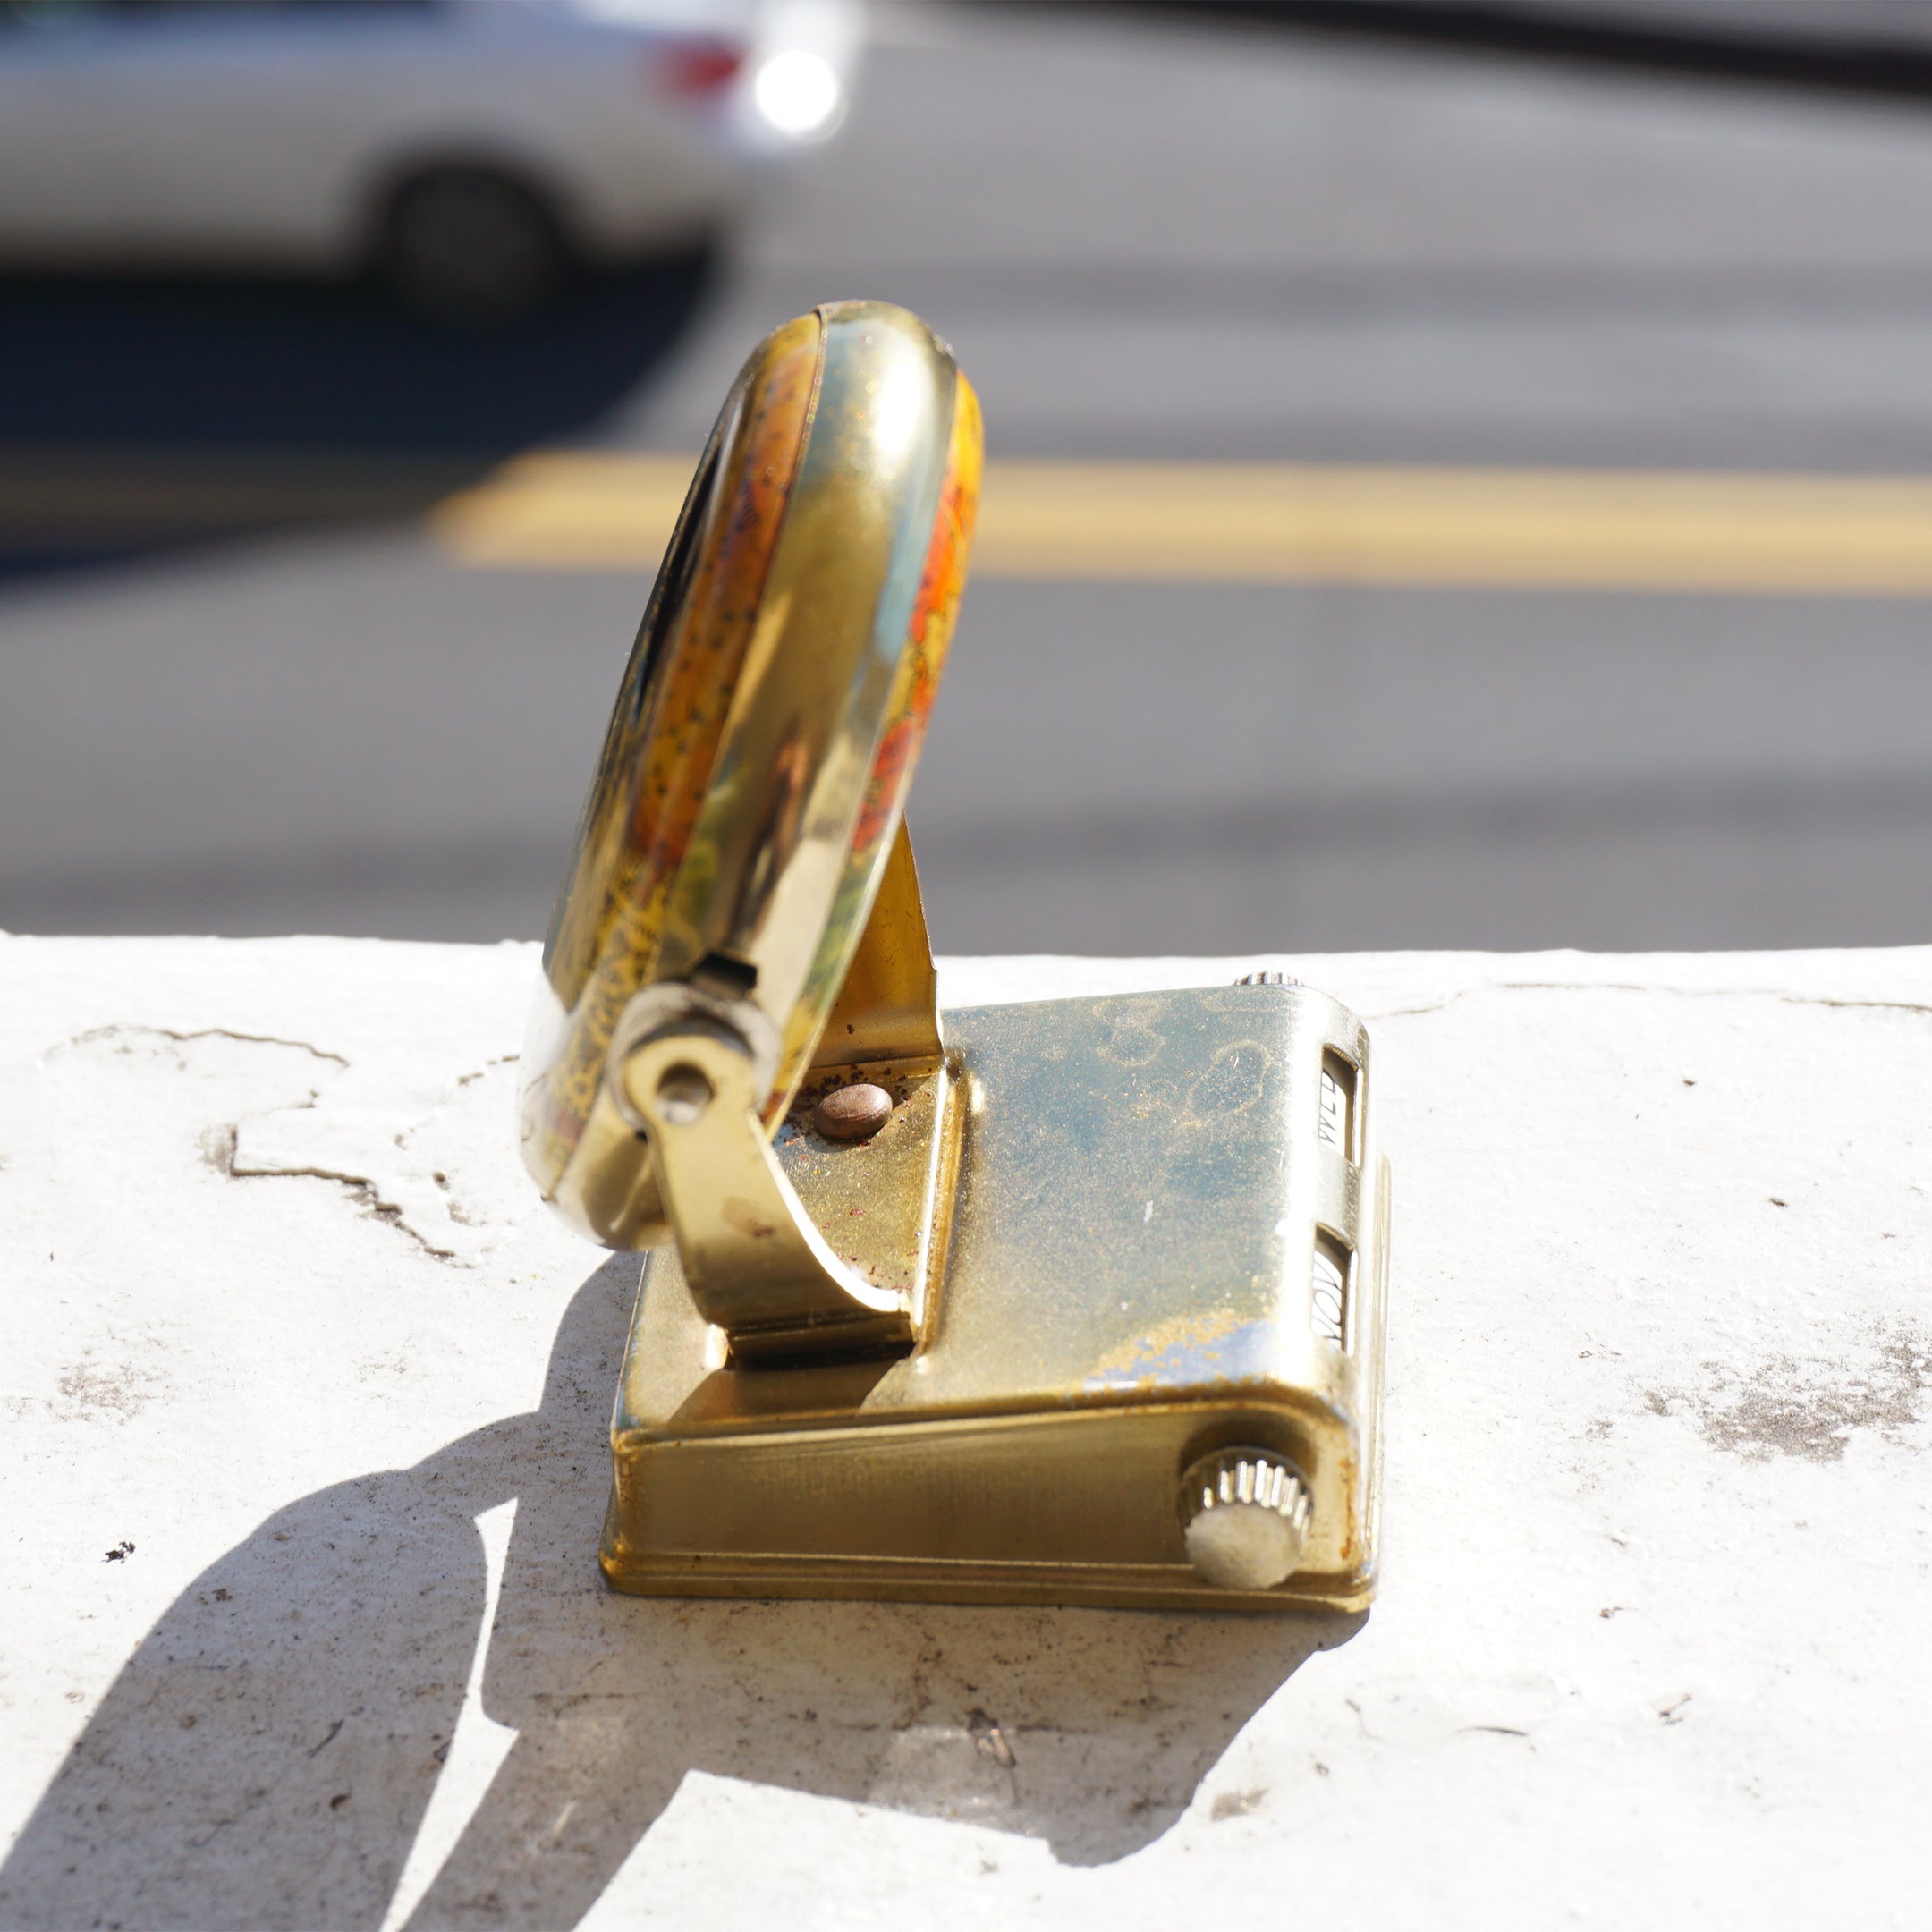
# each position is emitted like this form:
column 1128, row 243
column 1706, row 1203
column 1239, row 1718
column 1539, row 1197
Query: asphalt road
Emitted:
column 1146, row 239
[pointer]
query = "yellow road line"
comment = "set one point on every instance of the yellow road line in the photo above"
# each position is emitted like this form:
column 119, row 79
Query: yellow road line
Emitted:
column 1295, row 523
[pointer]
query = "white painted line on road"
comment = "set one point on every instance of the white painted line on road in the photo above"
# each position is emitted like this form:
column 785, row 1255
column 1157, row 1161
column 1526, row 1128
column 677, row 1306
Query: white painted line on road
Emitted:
column 1295, row 523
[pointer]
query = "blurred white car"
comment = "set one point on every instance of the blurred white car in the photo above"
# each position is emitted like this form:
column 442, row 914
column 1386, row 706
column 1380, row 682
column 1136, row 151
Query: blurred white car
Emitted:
column 470, row 150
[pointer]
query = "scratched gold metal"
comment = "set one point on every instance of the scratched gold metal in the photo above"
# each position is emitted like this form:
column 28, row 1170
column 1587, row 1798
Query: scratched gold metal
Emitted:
column 1128, row 1285
column 1094, row 1241
column 757, row 1264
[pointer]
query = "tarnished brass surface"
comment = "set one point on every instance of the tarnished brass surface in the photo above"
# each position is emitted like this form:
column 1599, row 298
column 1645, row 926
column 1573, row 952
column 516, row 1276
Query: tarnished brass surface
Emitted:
column 884, row 1205
column 755, row 1263
column 888, row 1008
column 1077, row 1302
column 752, row 780
column 1148, row 1213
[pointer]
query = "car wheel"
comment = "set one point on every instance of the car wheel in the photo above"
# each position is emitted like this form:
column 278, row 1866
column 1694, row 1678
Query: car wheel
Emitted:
column 471, row 249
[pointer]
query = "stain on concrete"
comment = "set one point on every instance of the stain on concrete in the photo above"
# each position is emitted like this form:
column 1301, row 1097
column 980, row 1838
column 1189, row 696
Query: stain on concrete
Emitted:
column 1234, row 1805
column 90, row 1391
column 1810, row 1409
column 990, row 1741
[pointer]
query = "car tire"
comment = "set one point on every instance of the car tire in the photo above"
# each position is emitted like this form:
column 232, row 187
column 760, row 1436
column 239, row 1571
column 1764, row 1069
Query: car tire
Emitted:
column 470, row 248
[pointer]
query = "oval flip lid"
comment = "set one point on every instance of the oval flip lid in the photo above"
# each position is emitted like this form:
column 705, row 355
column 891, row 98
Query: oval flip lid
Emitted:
column 747, row 802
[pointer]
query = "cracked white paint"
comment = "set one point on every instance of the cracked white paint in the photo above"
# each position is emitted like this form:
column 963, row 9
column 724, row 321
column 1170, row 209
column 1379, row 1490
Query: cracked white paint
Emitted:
column 1659, row 1529
column 405, row 1146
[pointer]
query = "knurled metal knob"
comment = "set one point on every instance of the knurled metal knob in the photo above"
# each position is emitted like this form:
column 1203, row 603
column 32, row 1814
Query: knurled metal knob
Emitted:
column 1245, row 1515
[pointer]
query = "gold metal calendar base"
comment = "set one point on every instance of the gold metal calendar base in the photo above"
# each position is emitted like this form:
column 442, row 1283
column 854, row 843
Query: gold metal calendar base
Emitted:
column 1075, row 1302
column 1138, row 1231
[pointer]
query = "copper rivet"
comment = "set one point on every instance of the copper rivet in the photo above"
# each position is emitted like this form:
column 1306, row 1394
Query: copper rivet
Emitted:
column 852, row 1113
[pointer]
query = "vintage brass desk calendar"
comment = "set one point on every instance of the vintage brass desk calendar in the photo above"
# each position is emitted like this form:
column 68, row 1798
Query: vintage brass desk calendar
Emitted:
column 1071, row 1303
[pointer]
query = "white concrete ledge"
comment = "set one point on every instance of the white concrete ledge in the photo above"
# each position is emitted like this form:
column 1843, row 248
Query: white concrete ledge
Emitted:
column 304, row 1401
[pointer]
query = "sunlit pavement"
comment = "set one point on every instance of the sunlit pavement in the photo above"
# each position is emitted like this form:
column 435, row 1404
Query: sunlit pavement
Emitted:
column 1152, row 245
